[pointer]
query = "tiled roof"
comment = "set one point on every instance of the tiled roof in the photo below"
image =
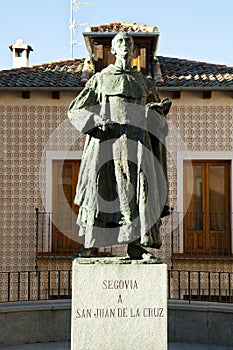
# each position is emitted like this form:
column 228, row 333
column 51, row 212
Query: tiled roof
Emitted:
column 54, row 74
column 176, row 73
column 122, row 27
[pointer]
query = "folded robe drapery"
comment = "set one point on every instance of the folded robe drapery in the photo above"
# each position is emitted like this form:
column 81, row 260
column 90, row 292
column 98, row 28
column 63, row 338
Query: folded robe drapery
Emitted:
column 122, row 187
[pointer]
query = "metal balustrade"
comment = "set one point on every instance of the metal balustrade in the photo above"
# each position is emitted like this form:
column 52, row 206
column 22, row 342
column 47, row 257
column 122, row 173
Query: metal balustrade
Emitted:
column 57, row 284
column 56, row 234
column 201, row 235
column 35, row 285
column 200, row 286
column 193, row 235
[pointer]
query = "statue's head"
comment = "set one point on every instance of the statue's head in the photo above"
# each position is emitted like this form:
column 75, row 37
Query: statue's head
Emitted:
column 123, row 45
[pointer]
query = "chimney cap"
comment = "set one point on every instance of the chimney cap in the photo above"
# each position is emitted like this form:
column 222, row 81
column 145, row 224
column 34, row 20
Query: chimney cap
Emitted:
column 20, row 45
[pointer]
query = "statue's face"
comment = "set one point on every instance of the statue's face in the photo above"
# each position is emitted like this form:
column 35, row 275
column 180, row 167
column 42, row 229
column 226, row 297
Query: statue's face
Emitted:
column 123, row 45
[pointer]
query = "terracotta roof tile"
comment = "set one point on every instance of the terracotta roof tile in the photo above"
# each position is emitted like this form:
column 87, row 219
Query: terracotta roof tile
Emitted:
column 122, row 27
column 175, row 72
column 55, row 74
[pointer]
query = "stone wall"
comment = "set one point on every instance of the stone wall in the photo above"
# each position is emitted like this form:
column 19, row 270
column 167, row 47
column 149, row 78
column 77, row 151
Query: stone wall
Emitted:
column 207, row 323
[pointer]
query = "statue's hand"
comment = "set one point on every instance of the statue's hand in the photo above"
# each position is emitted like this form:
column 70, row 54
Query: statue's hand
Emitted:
column 166, row 105
column 162, row 107
column 157, row 106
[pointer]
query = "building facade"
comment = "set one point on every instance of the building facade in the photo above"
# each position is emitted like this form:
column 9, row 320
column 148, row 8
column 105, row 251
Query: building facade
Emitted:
column 41, row 153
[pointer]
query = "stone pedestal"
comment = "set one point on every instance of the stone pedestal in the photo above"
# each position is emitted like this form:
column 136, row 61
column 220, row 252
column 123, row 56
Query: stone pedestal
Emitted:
column 119, row 304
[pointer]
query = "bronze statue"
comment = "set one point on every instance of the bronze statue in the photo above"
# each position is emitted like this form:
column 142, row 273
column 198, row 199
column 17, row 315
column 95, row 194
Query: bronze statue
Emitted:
column 122, row 188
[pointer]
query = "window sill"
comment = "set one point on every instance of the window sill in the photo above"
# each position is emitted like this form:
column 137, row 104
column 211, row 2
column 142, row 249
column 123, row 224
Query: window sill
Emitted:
column 201, row 256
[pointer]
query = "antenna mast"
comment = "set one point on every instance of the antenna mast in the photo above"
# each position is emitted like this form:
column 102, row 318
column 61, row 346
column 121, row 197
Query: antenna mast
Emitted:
column 75, row 5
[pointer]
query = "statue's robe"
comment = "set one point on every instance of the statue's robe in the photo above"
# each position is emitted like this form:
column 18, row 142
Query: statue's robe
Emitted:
column 122, row 186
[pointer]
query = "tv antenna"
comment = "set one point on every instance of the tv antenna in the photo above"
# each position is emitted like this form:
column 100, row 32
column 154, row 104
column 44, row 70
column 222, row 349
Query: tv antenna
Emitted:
column 74, row 24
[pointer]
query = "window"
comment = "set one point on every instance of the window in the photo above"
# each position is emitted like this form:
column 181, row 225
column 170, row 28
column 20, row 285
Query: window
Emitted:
column 207, row 197
column 64, row 228
column 109, row 58
column 137, row 61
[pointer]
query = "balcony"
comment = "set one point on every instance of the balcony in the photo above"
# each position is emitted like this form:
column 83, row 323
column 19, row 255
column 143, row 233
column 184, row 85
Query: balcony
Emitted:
column 57, row 235
column 201, row 235
column 193, row 235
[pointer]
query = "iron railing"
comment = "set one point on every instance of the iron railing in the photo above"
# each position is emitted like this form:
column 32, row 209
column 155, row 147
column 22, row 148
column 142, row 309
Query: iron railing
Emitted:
column 201, row 234
column 200, row 285
column 193, row 235
column 57, row 284
column 56, row 234
column 35, row 285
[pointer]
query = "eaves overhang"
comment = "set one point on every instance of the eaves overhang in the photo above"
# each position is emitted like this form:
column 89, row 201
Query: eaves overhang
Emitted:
column 194, row 88
column 43, row 88
column 80, row 88
column 90, row 36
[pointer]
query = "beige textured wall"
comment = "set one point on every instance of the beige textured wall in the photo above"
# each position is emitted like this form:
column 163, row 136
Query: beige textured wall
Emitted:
column 31, row 126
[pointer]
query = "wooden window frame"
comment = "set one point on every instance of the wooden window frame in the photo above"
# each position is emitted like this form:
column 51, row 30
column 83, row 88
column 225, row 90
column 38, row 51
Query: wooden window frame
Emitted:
column 139, row 61
column 206, row 232
column 62, row 244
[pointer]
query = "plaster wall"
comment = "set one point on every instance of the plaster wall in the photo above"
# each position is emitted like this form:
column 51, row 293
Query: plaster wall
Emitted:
column 31, row 127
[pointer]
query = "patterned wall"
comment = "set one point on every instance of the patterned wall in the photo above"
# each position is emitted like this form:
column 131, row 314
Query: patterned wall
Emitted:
column 204, row 128
column 27, row 134
column 197, row 128
column 28, row 131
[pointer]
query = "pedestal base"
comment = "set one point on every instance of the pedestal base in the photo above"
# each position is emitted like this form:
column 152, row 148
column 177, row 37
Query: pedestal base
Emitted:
column 119, row 304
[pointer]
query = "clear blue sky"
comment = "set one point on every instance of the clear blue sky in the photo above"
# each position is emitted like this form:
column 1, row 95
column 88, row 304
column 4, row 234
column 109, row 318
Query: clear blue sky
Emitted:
column 200, row 29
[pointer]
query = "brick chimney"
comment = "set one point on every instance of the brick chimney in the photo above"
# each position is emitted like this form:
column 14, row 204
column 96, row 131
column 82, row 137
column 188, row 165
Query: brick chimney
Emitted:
column 21, row 53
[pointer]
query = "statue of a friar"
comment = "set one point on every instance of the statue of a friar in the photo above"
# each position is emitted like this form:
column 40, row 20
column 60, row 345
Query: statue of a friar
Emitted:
column 122, row 191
